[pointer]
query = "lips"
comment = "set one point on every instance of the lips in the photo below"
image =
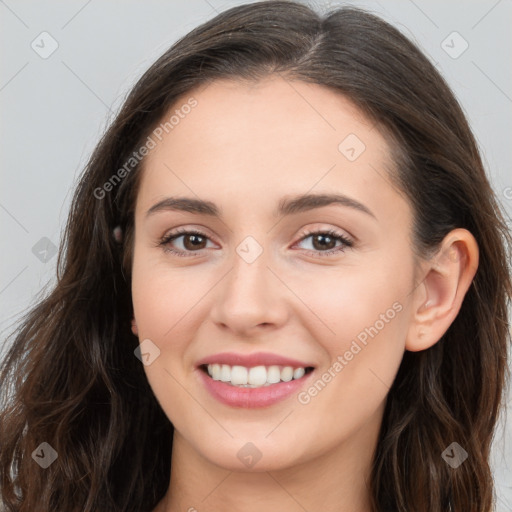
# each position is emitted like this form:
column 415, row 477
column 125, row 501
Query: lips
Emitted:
column 250, row 360
column 253, row 397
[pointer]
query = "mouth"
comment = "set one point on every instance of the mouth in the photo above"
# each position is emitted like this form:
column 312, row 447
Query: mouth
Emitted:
column 253, row 387
column 255, row 376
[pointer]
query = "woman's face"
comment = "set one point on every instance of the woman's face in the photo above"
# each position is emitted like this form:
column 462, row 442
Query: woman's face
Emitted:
column 271, row 273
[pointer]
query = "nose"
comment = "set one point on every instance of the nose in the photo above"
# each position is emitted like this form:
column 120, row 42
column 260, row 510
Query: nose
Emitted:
column 251, row 297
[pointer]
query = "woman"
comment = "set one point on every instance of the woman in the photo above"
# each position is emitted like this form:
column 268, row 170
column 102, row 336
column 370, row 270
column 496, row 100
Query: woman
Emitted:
column 284, row 284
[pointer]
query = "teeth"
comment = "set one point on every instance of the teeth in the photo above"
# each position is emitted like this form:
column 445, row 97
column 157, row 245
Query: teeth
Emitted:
column 257, row 376
column 298, row 373
column 254, row 377
column 273, row 374
column 225, row 373
column 215, row 372
column 287, row 373
column 238, row 375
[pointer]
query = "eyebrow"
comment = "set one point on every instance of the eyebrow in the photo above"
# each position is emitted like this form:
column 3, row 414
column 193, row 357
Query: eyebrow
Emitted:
column 287, row 206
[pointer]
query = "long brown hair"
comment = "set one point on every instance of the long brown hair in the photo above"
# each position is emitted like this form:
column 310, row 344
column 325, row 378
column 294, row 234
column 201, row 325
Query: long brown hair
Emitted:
column 70, row 377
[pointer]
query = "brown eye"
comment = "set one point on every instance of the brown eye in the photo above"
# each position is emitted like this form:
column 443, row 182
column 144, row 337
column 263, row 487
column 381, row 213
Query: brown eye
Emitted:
column 324, row 242
column 187, row 241
column 193, row 241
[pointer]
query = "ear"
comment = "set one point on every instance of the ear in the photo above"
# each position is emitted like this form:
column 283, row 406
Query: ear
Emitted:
column 438, row 298
column 134, row 327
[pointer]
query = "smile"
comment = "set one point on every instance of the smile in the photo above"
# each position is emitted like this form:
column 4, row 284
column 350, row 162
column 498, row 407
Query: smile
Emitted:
column 252, row 380
column 256, row 376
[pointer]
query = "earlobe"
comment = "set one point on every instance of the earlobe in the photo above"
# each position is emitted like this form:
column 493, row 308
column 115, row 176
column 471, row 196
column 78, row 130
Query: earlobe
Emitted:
column 134, row 327
column 439, row 296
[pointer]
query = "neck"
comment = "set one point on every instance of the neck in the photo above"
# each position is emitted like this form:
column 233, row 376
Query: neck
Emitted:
column 334, row 480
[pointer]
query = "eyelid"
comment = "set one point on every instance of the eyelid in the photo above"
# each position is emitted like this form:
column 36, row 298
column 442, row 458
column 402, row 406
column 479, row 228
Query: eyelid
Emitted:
column 181, row 231
column 333, row 231
column 184, row 230
column 346, row 242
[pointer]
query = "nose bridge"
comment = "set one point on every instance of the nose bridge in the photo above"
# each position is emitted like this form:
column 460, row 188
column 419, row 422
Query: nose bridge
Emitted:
column 249, row 275
column 250, row 294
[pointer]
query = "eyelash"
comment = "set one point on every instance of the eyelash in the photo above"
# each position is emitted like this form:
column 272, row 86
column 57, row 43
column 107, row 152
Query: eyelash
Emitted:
column 331, row 233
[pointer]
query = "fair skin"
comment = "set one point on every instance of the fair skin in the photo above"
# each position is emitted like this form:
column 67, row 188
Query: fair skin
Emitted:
column 244, row 148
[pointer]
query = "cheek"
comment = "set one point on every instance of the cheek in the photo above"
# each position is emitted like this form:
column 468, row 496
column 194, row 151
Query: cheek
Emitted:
column 361, row 320
column 364, row 349
column 354, row 302
column 163, row 295
column 163, row 301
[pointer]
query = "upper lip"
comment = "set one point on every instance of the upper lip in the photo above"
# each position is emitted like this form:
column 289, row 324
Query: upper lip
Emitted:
column 251, row 360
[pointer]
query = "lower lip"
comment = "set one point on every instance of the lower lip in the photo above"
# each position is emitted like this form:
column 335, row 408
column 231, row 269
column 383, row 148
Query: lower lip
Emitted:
column 252, row 397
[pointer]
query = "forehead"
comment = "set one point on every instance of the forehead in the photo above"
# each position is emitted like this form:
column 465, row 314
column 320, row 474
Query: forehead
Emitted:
column 270, row 117
column 255, row 142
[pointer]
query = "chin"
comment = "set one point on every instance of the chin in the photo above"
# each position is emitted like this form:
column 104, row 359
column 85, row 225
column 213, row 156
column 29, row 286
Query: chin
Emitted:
column 252, row 456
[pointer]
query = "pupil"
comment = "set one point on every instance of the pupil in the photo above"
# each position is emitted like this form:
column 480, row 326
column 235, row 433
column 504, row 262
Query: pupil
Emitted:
column 194, row 239
column 324, row 238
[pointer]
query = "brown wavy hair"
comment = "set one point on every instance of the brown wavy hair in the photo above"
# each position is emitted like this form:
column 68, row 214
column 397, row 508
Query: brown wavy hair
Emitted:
column 70, row 377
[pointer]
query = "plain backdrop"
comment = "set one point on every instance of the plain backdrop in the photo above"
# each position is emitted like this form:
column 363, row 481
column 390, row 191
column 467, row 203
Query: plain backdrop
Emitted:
column 66, row 67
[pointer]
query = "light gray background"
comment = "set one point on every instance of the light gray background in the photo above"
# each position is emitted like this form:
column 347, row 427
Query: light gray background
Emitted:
column 54, row 109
